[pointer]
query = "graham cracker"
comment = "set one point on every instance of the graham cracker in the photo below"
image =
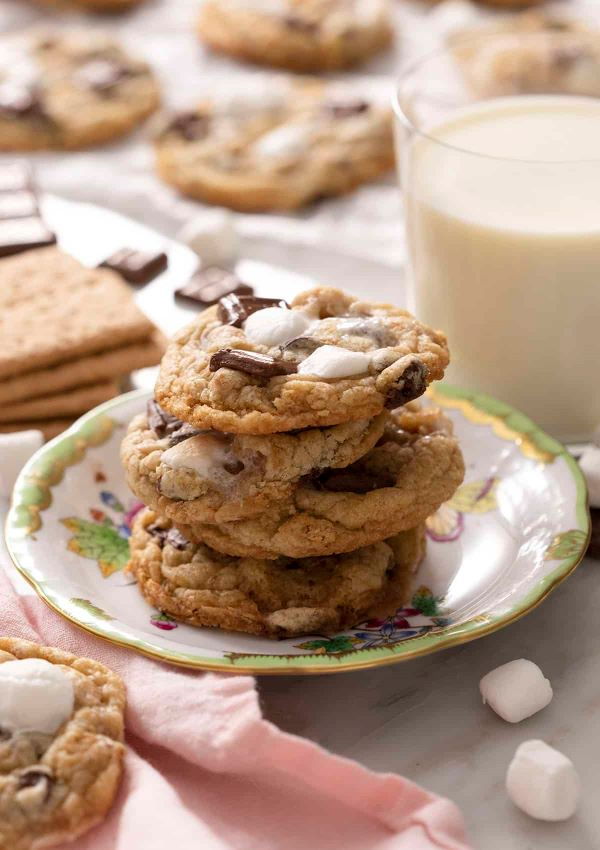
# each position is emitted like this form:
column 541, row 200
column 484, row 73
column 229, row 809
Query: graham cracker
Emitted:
column 92, row 369
column 60, row 405
column 49, row 427
column 53, row 309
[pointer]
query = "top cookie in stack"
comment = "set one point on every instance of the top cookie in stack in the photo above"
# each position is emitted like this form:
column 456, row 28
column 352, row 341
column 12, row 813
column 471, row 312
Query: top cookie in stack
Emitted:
column 289, row 432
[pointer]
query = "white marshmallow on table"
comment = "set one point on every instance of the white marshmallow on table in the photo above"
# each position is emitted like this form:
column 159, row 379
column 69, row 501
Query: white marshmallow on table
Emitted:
column 15, row 450
column 332, row 361
column 35, row 696
column 589, row 463
column 516, row 690
column 543, row 782
column 286, row 140
column 275, row 325
column 212, row 235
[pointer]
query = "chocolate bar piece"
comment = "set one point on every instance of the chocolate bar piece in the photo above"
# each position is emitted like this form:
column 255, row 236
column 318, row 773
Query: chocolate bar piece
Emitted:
column 21, row 234
column 251, row 362
column 235, row 309
column 209, row 285
column 19, row 204
column 136, row 266
column 15, row 177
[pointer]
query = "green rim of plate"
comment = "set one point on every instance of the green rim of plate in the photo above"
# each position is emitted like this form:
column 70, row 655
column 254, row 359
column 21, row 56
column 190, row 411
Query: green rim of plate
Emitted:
column 32, row 495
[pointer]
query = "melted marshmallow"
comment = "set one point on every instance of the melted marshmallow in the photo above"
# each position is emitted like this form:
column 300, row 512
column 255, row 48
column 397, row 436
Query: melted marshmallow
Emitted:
column 286, row 140
column 332, row 361
column 35, row 696
column 204, row 454
column 275, row 326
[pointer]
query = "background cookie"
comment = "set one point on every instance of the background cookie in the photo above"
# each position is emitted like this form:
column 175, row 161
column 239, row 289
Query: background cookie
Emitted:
column 207, row 476
column 276, row 145
column 301, row 35
column 70, row 90
column 193, row 583
column 57, row 783
column 249, row 368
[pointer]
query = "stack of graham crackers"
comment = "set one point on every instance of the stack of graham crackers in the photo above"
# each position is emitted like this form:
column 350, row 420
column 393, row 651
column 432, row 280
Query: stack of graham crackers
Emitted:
column 69, row 335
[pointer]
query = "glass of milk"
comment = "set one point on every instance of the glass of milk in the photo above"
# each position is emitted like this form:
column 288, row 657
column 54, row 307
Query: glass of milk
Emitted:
column 502, row 206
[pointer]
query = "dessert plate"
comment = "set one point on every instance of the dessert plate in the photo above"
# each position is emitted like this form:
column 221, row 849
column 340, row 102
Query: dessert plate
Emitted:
column 516, row 528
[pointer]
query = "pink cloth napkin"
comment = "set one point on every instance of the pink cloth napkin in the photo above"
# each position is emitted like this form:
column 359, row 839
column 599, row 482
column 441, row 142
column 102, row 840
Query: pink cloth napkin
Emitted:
column 205, row 771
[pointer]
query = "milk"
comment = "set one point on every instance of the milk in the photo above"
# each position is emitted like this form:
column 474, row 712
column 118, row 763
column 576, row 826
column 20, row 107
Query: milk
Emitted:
column 503, row 223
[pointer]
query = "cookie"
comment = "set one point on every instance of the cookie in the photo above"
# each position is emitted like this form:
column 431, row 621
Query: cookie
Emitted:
column 415, row 467
column 281, row 598
column 91, row 5
column 301, row 35
column 50, row 428
column 532, row 53
column 207, row 476
column 277, row 145
column 60, row 405
column 253, row 366
column 95, row 368
column 70, row 90
column 61, row 734
column 53, row 310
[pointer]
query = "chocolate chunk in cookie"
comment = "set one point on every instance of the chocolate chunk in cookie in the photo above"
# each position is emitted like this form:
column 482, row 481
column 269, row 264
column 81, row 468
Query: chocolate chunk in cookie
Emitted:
column 235, row 309
column 138, row 267
column 250, row 362
column 189, row 125
column 409, row 386
column 211, row 284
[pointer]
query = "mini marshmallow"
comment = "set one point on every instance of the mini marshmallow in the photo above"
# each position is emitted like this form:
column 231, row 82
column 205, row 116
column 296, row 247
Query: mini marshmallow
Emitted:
column 275, row 326
column 332, row 361
column 212, row 235
column 286, row 140
column 35, row 695
column 590, row 466
column 516, row 690
column 15, row 451
column 202, row 454
column 543, row 782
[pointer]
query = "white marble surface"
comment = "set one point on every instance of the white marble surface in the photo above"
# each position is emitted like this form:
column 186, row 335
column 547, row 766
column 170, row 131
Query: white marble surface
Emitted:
column 421, row 718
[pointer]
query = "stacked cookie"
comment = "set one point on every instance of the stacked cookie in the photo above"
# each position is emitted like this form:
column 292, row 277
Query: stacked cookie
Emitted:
column 287, row 470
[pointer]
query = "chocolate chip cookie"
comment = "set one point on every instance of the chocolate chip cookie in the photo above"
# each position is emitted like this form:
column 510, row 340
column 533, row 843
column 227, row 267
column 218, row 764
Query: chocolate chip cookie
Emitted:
column 301, row 35
column 189, row 475
column 91, row 5
column 415, row 467
column 61, row 733
column 259, row 366
column 275, row 598
column 277, row 145
column 70, row 90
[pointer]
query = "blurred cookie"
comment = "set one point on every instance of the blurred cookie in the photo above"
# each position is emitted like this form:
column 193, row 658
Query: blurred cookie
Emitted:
column 277, row 145
column 61, row 734
column 192, row 476
column 91, row 5
column 276, row 598
column 300, row 35
column 415, row 467
column 70, row 90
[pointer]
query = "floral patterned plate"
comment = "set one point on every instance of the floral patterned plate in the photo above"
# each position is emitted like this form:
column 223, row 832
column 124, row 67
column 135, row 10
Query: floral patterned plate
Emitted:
column 517, row 527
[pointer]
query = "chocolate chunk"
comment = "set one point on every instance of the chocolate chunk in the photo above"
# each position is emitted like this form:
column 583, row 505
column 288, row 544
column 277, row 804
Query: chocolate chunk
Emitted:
column 102, row 75
column 22, row 234
column 235, row 309
column 411, row 384
column 302, row 345
column 20, row 100
column 234, row 467
column 136, row 266
column 294, row 22
column 350, row 481
column 34, row 776
column 211, row 284
column 5, row 734
column 160, row 534
column 15, row 177
column 346, row 109
column 176, row 539
column 22, row 204
column 161, row 422
column 184, row 433
column 189, row 125
column 259, row 365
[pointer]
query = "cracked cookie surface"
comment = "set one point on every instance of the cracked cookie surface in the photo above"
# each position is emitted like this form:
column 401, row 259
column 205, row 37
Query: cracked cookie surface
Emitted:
column 215, row 477
column 214, row 376
column 276, row 144
column 301, row 35
column 415, row 467
column 54, row 787
column 70, row 90
column 281, row 598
